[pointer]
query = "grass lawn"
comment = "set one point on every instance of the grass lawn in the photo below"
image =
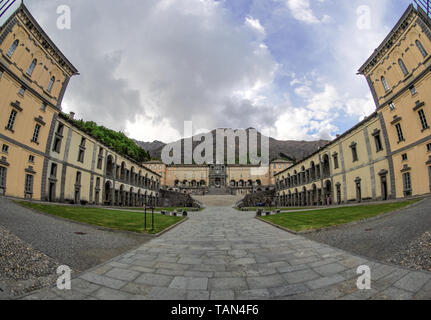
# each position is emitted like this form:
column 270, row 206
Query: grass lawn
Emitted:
column 317, row 219
column 113, row 219
column 168, row 209
column 274, row 208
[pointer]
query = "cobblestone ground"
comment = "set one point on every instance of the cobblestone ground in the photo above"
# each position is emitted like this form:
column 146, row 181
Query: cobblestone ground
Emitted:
column 221, row 253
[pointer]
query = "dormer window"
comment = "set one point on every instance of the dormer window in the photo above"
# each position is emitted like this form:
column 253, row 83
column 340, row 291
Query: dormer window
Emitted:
column 403, row 67
column 421, row 48
column 385, row 84
column 32, row 67
column 12, row 49
column 51, row 84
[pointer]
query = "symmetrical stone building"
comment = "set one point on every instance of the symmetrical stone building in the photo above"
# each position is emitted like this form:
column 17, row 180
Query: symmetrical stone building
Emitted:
column 44, row 156
column 232, row 179
column 388, row 155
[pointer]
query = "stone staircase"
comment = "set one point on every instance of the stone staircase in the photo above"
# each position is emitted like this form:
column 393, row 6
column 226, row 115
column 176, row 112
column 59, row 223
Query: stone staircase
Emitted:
column 218, row 200
column 218, row 191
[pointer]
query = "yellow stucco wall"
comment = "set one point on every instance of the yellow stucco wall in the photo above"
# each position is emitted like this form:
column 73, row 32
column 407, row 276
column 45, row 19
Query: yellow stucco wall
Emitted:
column 401, row 106
column 33, row 106
column 348, row 171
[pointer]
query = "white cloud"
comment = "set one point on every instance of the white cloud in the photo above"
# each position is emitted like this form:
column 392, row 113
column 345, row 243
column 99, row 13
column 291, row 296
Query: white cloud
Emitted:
column 162, row 64
column 301, row 10
column 255, row 25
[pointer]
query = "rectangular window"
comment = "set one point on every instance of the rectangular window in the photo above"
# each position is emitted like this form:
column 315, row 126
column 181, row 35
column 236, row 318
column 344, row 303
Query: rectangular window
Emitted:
column 423, row 119
column 378, row 140
column 336, row 165
column 28, row 183
column 404, row 157
column 2, row 177
column 429, row 147
column 36, row 133
column 391, row 106
column 54, row 170
column 81, row 156
column 60, row 129
column 399, row 132
column 99, row 163
column 407, row 184
column 43, row 107
column 83, row 142
column 354, row 154
column 1, row 73
column 429, row 175
column 11, row 121
column 57, row 145
column 78, row 178
column 413, row 90
column 21, row 91
column 5, row 148
column 31, row 158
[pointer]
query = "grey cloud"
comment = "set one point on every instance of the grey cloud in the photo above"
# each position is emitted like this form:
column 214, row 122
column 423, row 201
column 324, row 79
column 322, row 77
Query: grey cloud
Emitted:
column 181, row 60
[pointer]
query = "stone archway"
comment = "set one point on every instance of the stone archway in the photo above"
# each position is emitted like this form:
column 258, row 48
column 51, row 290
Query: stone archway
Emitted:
column 107, row 193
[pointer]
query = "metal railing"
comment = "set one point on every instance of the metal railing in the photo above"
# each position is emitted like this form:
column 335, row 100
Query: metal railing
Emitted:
column 425, row 5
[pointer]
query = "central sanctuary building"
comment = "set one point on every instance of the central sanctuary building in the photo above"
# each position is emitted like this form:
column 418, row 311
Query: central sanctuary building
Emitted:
column 218, row 178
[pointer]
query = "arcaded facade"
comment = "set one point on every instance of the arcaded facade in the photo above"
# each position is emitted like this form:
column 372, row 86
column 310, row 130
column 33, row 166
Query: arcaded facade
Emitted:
column 43, row 156
column 231, row 179
column 388, row 155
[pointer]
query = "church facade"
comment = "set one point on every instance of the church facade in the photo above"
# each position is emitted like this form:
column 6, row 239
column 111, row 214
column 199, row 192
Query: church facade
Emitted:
column 230, row 179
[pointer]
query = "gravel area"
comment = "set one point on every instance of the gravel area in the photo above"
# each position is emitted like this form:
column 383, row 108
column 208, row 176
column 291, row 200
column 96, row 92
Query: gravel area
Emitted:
column 28, row 238
column 417, row 255
column 401, row 238
column 23, row 268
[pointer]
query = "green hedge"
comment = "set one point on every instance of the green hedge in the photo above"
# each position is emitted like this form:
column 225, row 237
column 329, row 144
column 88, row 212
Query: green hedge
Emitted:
column 117, row 141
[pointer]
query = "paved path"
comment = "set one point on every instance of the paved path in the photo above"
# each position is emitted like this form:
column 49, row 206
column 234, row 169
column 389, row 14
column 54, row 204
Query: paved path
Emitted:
column 383, row 238
column 221, row 253
column 58, row 238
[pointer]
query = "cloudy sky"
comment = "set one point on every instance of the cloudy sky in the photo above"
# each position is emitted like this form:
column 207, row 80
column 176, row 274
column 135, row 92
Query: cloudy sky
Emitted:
column 285, row 67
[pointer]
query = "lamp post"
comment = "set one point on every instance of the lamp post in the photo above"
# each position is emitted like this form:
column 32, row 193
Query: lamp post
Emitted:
column 145, row 217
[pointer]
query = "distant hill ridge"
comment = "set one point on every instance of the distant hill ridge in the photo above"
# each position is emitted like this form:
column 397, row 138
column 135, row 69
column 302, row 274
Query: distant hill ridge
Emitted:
column 294, row 150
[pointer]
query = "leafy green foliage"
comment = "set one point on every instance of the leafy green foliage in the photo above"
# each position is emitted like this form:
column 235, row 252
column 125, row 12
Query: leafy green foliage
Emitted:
column 117, row 141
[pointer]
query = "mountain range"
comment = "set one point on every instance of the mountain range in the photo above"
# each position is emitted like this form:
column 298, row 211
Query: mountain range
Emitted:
column 278, row 149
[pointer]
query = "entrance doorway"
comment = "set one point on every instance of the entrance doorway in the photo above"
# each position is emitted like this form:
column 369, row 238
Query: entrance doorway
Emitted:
column 51, row 194
column 358, row 190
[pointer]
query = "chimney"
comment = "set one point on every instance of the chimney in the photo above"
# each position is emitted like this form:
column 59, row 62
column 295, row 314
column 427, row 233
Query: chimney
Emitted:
column 72, row 115
column 337, row 135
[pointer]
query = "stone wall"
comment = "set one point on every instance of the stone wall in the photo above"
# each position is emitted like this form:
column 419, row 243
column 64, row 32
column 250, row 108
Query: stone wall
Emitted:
column 176, row 199
column 251, row 200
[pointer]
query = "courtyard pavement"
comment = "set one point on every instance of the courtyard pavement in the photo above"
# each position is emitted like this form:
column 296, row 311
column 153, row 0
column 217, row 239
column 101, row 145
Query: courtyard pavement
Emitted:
column 224, row 254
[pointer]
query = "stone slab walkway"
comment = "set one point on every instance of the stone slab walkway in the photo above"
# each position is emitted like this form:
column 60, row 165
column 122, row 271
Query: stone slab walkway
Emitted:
column 224, row 254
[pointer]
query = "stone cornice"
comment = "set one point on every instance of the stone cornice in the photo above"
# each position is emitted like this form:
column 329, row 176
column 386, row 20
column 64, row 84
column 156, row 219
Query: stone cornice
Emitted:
column 45, row 42
column 390, row 40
